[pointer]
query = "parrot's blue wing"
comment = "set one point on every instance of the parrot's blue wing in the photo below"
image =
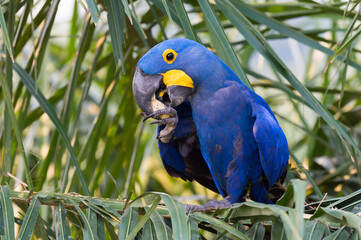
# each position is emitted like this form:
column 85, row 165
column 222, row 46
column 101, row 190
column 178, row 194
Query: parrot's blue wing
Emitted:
column 182, row 157
column 271, row 141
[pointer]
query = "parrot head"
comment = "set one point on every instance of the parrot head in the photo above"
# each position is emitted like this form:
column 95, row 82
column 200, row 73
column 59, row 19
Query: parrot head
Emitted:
column 173, row 70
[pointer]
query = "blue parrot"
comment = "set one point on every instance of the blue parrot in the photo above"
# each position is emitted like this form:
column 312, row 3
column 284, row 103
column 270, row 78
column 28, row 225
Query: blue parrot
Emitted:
column 212, row 129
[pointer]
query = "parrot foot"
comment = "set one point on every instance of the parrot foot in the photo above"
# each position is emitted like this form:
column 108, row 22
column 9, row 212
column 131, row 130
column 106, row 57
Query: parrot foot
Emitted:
column 167, row 133
column 209, row 206
column 166, row 116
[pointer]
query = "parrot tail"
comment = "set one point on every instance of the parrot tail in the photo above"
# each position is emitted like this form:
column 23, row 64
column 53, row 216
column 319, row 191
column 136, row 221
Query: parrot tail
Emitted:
column 259, row 193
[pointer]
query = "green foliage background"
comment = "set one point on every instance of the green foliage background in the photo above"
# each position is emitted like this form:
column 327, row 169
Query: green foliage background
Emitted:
column 70, row 128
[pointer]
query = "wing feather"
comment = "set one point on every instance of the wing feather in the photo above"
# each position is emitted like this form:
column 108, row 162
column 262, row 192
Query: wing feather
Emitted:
column 182, row 157
column 272, row 143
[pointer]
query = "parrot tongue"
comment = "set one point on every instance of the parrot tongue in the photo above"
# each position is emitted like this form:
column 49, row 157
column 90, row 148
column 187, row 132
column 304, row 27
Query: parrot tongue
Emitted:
column 162, row 95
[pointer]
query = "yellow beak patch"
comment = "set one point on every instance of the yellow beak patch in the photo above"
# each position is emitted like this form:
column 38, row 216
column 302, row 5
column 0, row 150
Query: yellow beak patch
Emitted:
column 177, row 77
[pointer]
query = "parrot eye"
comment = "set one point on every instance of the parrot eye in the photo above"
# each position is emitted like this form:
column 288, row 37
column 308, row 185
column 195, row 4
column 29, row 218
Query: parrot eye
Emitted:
column 169, row 56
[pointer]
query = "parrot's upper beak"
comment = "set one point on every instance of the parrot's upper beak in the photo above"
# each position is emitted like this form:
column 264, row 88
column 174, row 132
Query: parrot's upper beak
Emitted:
column 144, row 86
column 171, row 88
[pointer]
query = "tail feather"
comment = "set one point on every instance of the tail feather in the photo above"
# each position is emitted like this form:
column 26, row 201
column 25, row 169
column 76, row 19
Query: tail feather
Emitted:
column 259, row 193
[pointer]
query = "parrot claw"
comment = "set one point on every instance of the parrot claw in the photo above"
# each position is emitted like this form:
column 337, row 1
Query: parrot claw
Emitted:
column 165, row 138
column 157, row 114
column 209, row 206
column 164, row 121
column 143, row 114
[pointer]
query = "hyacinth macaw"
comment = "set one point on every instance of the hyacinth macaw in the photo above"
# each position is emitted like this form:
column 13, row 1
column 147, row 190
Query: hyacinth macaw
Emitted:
column 212, row 128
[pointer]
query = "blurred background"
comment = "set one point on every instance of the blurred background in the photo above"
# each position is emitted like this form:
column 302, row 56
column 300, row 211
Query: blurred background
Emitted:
column 83, row 65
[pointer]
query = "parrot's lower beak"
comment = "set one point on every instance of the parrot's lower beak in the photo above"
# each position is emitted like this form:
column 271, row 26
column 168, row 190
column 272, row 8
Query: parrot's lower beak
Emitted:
column 171, row 88
column 177, row 94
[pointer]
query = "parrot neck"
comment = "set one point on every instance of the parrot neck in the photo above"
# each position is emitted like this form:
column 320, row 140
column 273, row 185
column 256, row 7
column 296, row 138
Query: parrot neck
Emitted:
column 215, row 79
column 210, row 74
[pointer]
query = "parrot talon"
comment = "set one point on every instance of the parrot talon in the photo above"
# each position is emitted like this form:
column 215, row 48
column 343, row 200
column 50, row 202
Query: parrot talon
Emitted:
column 166, row 138
column 165, row 121
column 143, row 114
column 146, row 117
column 157, row 114
column 155, row 122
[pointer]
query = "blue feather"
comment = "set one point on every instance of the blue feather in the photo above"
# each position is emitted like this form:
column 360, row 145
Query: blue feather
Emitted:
column 182, row 157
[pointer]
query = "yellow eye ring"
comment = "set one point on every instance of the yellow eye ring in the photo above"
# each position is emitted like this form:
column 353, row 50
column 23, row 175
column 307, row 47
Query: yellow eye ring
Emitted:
column 169, row 56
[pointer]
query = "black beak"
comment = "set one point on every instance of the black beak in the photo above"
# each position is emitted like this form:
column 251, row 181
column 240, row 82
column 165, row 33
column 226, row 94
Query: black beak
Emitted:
column 178, row 94
column 144, row 86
